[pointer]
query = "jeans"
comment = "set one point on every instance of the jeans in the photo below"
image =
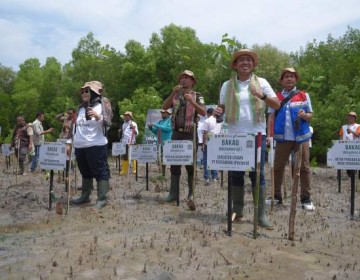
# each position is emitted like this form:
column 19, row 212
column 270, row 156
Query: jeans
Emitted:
column 35, row 158
column 236, row 178
column 214, row 173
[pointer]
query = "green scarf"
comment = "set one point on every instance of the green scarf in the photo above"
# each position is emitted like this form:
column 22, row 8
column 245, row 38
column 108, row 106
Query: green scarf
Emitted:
column 232, row 101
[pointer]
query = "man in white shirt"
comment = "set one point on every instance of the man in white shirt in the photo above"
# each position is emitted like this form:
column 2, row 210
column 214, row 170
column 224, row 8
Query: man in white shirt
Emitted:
column 129, row 132
column 210, row 127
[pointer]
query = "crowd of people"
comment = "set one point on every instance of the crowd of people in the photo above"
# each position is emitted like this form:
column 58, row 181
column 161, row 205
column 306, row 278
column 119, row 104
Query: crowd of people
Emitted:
column 244, row 100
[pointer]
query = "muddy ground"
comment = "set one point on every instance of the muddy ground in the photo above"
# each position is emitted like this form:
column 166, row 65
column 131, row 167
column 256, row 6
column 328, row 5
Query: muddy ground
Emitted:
column 138, row 237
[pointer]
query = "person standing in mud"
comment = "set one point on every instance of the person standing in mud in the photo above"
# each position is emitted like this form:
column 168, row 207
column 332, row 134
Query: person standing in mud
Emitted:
column 90, row 145
column 22, row 142
column 291, row 124
column 129, row 131
column 38, row 138
column 350, row 131
column 186, row 104
column 243, row 99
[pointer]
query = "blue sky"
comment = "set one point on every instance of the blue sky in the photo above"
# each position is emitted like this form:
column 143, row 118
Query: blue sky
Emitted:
column 45, row 28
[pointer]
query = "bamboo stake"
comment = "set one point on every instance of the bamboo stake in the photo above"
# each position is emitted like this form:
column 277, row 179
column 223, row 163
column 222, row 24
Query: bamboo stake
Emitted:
column 295, row 183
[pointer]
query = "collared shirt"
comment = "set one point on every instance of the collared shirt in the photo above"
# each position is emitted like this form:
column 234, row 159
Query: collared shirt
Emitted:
column 38, row 137
column 128, row 132
column 289, row 134
column 246, row 122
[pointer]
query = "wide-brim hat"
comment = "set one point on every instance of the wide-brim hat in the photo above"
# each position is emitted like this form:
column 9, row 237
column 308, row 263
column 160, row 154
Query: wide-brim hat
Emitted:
column 95, row 86
column 241, row 52
column 352, row 114
column 289, row 70
column 166, row 111
column 128, row 113
column 187, row 73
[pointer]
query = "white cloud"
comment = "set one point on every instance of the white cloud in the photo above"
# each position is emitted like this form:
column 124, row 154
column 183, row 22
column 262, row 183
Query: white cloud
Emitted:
column 43, row 28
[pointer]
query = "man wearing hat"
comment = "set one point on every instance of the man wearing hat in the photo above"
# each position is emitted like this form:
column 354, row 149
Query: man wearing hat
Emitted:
column 186, row 104
column 350, row 131
column 291, row 124
column 129, row 132
column 243, row 99
column 91, row 145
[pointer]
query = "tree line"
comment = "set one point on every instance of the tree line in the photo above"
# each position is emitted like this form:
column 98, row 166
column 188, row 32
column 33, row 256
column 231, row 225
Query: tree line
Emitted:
column 140, row 78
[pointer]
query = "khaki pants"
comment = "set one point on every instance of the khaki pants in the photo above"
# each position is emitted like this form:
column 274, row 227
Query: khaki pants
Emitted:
column 282, row 153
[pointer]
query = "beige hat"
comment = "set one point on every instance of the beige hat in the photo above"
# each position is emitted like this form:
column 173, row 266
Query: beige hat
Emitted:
column 289, row 70
column 167, row 111
column 187, row 73
column 353, row 114
column 95, row 86
column 241, row 52
column 128, row 113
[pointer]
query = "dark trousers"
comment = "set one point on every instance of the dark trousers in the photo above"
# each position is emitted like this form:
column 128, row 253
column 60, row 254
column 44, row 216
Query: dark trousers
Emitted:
column 92, row 162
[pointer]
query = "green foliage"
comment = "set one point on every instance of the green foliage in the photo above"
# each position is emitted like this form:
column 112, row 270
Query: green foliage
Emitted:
column 140, row 78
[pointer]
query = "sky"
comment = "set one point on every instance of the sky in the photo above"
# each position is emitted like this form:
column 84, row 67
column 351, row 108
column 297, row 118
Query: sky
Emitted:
column 53, row 28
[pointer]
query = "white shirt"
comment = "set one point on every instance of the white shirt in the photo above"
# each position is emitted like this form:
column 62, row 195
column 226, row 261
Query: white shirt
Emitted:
column 89, row 133
column 211, row 126
column 127, row 132
column 246, row 120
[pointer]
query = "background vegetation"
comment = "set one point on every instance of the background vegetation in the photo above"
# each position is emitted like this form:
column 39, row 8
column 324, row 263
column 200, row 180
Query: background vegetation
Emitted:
column 141, row 78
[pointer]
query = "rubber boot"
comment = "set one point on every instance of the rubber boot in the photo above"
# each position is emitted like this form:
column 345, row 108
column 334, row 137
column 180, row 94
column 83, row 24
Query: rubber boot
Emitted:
column 21, row 168
column 238, row 201
column 102, row 190
column 87, row 186
column 191, row 187
column 262, row 220
column 174, row 188
column 124, row 167
column 134, row 166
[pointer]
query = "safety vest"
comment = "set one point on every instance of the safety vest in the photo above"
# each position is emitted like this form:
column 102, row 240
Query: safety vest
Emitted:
column 301, row 127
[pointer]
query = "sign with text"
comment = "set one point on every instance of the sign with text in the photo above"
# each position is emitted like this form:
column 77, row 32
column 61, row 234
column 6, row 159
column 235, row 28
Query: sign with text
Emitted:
column 146, row 153
column 133, row 151
column 178, row 152
column 234, row 152
column 52, row 156
column 344, row 155
column 118, row 148
column 5, row 150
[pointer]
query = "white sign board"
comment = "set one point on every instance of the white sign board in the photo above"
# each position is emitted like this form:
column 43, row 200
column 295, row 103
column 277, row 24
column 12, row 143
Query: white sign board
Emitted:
column 234, row 152
column 178, row 152
column 133, row 151
column 52, row 156
column 118, row 148
column 147, row 153
column 5, row 150
column 344, row 155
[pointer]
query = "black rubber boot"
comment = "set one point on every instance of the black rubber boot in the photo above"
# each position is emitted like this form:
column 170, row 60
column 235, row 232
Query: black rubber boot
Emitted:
column 191, row 187
column 238, row 201
column 87, row 186
column 174, row 188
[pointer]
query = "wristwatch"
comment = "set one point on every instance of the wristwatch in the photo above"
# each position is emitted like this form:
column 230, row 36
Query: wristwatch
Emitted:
column 264, row 97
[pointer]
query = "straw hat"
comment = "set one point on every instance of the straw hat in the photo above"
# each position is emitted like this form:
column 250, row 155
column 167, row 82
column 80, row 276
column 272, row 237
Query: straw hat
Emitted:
column 289, row 70
column 241, row 52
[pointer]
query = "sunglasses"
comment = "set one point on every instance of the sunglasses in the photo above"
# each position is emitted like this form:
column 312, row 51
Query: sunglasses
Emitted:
column 85, row 90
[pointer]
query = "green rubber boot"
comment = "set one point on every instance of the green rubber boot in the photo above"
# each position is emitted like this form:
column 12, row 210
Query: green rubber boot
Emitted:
column 174, row 188
column 102, row 190
column 238, row 201
column 262, row 219
column 87, row 186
